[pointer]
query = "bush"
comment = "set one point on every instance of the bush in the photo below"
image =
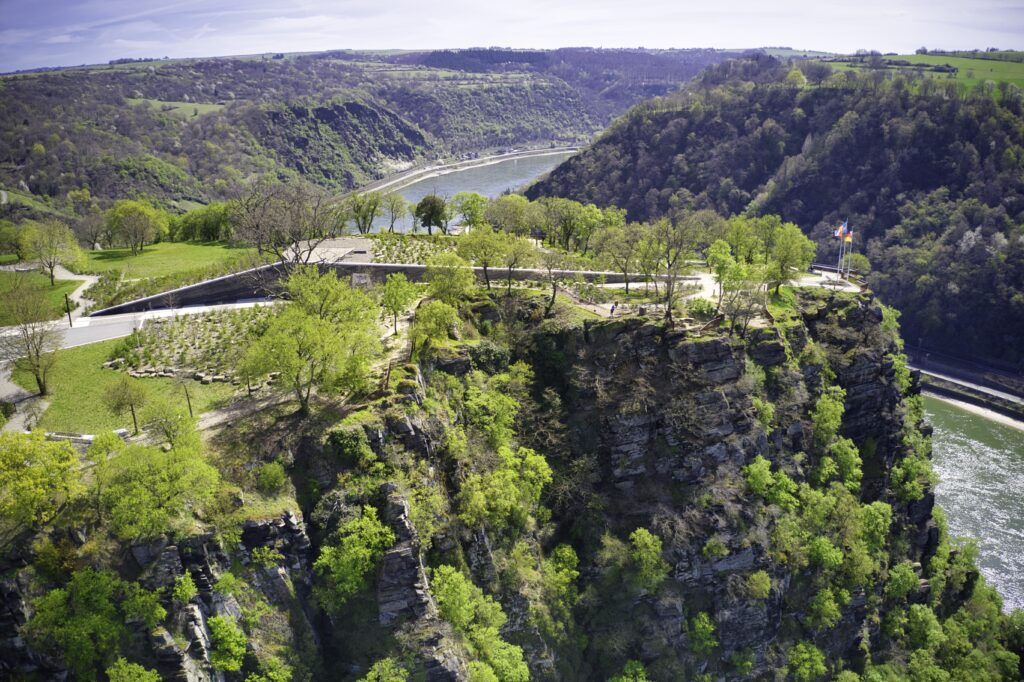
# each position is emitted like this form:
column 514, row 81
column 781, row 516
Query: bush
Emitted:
column 271, row 478
column 759, row 585
column 351, row 446
column 123, row 671
column 806, row 662
column 902, row 580
column 702, row 634
column 649, row 569
column 266, row 557
column 386, row 670
column 342, row 568
column 184, row 589
column 228, row 643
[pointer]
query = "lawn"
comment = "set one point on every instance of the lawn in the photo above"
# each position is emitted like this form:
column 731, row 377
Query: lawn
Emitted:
column 180, row 109
column 970, row 72
column 78, row 383
column 55, row 294
column 166, row 258
column 8, row 258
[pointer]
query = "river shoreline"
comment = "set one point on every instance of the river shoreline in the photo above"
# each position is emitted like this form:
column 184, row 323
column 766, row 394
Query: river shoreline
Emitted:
column 984, row 412
column 397, row 182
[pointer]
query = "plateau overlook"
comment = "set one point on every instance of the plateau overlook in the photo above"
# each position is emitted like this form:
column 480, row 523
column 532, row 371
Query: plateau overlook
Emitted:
column 611, row 429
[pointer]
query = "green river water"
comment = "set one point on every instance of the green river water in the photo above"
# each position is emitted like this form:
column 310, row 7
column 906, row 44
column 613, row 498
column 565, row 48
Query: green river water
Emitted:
column 980, row 463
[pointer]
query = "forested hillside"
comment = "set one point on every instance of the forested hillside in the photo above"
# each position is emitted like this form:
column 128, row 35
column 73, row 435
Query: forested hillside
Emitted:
column 929, row 172
column 187, row 131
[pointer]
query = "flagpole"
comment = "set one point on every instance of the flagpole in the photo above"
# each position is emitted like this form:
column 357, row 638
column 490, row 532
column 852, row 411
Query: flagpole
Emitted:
column 839, row 265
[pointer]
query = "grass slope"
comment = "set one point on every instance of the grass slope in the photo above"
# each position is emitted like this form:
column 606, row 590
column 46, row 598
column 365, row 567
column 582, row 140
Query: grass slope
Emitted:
column 969, row 72
column 159, row 260
column 184, row 110
column 79, row 381
column 55, row 294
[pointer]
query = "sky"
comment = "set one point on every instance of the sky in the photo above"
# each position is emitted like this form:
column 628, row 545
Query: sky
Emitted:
column 41, row 33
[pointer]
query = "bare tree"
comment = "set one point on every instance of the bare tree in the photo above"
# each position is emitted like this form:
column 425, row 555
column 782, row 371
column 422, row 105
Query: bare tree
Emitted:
column 288, row 221
column 33, row 340
column 395, row 208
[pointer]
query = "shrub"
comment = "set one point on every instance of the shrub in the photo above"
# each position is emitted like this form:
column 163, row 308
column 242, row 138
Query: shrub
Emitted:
column 902, row 580
column 265, row 557
column 806, row 662
column 271, row 478
column 634, row 671
column 649, row 569
column 123, row 671
column 759, row 585
column 185, row 589
column 386, row 670
column 342, row 568
column 715, row 549
column 827, row 415
column 702, row 634
column 351, row 446
column 228, row 643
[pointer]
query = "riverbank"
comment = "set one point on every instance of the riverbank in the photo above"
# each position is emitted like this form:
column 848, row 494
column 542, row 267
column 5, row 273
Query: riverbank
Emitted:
column 398, row 181
column 978, row 397
column 983, row 412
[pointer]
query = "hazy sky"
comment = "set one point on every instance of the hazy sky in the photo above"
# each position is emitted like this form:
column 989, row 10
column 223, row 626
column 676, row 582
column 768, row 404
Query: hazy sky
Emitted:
column 37, row 33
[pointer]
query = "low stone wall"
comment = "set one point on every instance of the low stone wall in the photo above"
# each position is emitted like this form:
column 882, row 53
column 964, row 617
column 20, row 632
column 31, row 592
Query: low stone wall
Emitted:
column 263, row 282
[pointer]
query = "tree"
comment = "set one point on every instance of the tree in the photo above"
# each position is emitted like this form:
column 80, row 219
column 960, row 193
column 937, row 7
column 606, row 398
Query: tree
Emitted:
column 398, row 295
column 509, row 213
column 123, row 671
column 33, row 341
column 143, row 490
column 649, row 569
column 470, row 208
column 288, row 220
column 677, row 241
column 743, row 297
column 325, row 338
column 84, row 622
column 228, row 640
column 124, row 395
column 552, row 261
column 791, row 250
column 619, row 245
column 172, row 423
column 434, row 321
column 342, row 567
column 484, row 248
column 50, row 243
column 137, row 223
column 449, row 277
column 386, row 670
column 519, row 253
column 395, row 207
column 633, row 672
column 720, row 262
column 37, row 478
column 742, row 238
column 806, row 662
column 432, row 211
column 364, row 207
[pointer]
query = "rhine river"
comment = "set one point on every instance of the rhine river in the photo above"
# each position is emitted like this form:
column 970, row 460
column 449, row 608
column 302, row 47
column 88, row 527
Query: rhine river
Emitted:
column 491, row 180
column 980, row 462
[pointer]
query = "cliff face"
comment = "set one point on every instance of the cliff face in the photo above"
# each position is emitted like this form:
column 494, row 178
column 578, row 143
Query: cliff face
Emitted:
column 698, row 505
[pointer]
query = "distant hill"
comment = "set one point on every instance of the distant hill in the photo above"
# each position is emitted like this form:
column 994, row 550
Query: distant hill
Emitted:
column 929, row 171
column 189, row 130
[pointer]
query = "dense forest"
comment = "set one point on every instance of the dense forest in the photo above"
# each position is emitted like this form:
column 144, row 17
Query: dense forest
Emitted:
column 189, row 131
column 929, row 174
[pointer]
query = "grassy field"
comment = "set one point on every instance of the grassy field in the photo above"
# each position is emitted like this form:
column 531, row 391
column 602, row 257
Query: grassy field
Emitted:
column 166, row 258
column 8, row 258
column 970, row 71
column 78, row 383
column 55, row 294
column 179, row 109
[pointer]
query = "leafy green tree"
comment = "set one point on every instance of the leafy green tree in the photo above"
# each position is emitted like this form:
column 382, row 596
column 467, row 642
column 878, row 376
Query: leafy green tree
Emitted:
column 84, row 622
column 123, row 671
column 37, row 479
column 143, row 490
column 395, row 207
column 806, row 662
column 124, row 395
column 136, row 223
column 228, row 640
column 449, row 277
column 364, row 207
column 701, row 631
column 509, row 213
column 742, row 239
column 50, row 243
column 479, row 618
column 185, row 589
column 619, row 246
column 759, row 585
column 634, row 671
column 649, row 568
column 902, row 580
column 743, row 298
column 431, row 212
column 827, row 415
column 398, row 295
column 386, row 670
column 720, row 262
column 433, row 323
column 519, row 253
column 33, row 341
column 271, row 478
column 470, row 208
column 171, row 422
column 342, row 567
column 506, row 496
column 484, row 248
column 791, row 252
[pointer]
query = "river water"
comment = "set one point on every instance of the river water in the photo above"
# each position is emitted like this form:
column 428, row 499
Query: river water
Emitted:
column 980, row 463
column 491, row 180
